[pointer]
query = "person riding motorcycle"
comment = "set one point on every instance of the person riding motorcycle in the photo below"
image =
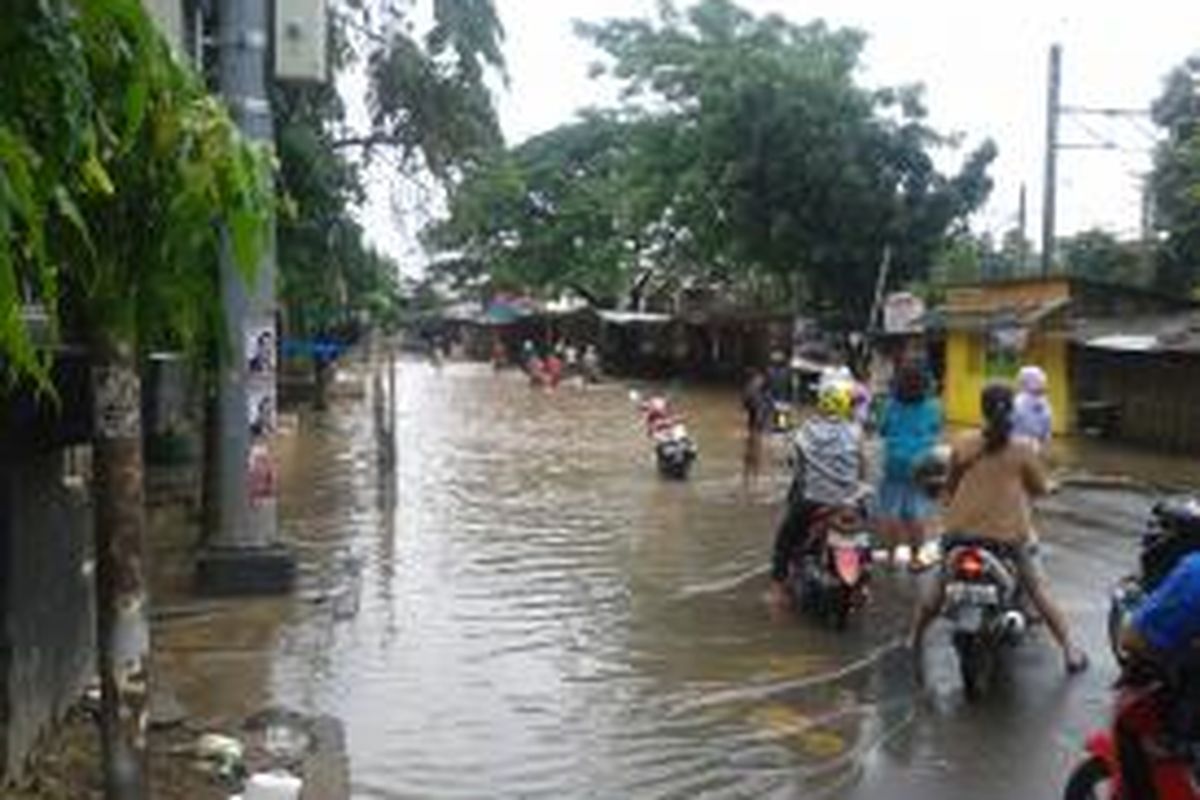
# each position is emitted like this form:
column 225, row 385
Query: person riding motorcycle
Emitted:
column 1162, row 635
column 659, row 417
column 830, row 467
column 1167, row 622
column 993, row 475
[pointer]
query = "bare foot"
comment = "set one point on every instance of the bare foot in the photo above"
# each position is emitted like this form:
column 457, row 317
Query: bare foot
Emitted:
column 779, row 602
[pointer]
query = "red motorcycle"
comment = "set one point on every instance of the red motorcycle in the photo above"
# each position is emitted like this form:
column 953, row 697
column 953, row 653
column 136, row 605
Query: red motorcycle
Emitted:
column 1142, row 756
column 830, row 576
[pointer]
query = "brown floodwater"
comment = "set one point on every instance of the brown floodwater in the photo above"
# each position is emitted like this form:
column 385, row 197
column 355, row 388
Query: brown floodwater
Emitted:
column 523, row 609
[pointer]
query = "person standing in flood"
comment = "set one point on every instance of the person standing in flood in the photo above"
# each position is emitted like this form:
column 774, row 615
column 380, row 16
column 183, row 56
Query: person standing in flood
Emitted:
column 756, row 402
column 911, row 425
column 1032, row 416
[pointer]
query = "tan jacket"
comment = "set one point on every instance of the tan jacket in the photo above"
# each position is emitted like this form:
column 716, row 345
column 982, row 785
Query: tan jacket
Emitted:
column 991, row 493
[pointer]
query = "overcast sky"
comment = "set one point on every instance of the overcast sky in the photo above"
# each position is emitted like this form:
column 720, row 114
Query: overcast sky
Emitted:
column 983, row 66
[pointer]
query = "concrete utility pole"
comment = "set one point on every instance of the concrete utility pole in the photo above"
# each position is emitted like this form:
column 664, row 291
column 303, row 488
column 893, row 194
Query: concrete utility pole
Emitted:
column 243, row 554
column 1054, row 86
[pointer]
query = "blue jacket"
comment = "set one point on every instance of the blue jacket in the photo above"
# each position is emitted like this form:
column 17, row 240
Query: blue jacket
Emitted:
column 909, row 431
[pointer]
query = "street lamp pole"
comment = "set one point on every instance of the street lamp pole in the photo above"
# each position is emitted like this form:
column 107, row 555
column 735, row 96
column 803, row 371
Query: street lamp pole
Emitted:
column 243, row 554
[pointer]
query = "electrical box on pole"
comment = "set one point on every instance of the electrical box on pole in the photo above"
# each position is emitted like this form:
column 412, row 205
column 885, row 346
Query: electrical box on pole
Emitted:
column 302, row 40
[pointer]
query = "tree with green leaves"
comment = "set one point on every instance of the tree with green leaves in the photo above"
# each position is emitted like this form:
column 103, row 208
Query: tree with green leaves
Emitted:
column 1175, row 180
column 430, row 114
column 1100, row 256
column 428, row 96
column 799, row 173
column 120, row 181
column 550, row 215
column 744, row 152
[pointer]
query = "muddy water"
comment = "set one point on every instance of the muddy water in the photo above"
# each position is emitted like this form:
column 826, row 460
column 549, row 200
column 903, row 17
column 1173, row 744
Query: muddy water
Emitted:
column 525, row 610
column 540, row 616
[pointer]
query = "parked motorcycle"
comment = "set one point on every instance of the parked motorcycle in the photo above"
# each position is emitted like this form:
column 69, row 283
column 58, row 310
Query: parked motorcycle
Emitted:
column 831, row 574
column 985, row 606
column 674, row 451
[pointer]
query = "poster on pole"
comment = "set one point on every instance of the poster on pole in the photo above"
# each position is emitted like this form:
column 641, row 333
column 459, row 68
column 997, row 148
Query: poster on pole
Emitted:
column 260, row 350
column 261, row 473
column 261, row 411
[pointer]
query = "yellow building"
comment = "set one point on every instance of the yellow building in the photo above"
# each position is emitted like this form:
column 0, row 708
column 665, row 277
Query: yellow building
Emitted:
column 1082, row 333
column 993, row 329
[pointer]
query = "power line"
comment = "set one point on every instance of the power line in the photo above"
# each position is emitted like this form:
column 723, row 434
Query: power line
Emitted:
column 1105, row 112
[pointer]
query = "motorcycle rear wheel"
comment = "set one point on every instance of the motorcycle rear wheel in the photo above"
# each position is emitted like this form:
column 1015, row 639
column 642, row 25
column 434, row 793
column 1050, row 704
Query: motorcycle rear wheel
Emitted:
column 1090, row 781
column 976, row 665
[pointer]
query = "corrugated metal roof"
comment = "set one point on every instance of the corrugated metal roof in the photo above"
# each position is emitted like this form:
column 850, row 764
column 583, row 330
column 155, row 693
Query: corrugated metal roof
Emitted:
column 1165, row 333
column 973, row 318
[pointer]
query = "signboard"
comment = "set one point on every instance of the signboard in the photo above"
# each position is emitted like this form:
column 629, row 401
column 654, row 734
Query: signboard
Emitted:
column 902, row 313
column 302, row 40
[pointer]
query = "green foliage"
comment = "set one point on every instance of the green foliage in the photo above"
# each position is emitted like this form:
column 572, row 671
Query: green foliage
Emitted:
column 969, row 258
column 1175, row 181
column 46, row 152
column 430, row 110
column 1098, row 255
column 428, row 97
column 550, row 215
column 744, row 152
column 120, row 176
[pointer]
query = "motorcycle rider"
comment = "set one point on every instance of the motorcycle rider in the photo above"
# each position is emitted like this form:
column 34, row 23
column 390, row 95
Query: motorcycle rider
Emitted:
column 659, row 416
column 1165, row 630
column 1167, row 622
column 993, row 475
column 830, row 467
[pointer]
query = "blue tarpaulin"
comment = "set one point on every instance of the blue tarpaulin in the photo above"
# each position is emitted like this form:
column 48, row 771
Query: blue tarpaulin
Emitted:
column 319, row 349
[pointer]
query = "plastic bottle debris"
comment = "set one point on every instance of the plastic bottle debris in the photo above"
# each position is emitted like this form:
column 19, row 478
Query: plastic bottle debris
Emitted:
column 274, row 785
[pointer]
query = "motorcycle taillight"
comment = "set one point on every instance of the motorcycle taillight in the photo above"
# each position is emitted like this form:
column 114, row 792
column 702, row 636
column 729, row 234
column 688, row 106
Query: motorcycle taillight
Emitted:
column 969, row 564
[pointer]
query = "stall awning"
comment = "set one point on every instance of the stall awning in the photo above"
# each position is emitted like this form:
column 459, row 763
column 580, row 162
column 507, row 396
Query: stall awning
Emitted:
column 1168, row 333
column 634, row 318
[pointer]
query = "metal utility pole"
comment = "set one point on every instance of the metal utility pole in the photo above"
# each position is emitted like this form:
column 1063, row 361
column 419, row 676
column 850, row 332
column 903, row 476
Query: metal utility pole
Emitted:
column 1053, row 108
column 1023, row 230
column 243, row 554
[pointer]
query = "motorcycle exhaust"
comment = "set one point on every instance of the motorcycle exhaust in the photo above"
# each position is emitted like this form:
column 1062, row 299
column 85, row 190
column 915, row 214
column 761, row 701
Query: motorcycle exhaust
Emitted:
column 1013, row 624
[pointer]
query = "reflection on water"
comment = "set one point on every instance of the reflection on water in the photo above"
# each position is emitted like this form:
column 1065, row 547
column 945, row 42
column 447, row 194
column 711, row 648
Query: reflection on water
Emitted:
column 541, row 616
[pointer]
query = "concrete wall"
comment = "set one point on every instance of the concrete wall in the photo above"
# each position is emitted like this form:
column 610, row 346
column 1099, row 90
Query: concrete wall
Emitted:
column 46, row 614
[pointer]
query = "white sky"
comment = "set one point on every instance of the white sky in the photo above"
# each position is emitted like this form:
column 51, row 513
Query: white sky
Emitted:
column 983, row 66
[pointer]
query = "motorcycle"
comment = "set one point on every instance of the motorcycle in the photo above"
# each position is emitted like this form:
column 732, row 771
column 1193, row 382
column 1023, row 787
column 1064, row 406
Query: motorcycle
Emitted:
column 1149, row 752
column 674, row 451
column 831, row 574
column 986, row 608
column 1152, row 747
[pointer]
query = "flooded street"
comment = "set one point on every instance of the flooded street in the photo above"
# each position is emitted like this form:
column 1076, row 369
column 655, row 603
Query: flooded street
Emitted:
column 540, row 616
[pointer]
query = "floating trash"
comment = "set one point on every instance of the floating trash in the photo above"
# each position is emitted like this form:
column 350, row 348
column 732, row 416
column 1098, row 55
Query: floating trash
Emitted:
column 274, row 785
